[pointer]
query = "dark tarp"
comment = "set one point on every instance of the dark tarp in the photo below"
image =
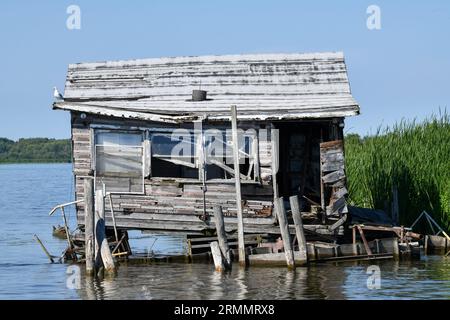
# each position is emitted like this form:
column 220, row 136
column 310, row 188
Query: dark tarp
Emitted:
column 369, row 216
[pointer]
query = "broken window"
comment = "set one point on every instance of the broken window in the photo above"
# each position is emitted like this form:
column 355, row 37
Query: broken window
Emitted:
column 119, row 161
column 174, row 155
column 219, row 154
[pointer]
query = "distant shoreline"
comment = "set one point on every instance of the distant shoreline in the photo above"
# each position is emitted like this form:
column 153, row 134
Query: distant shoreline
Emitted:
column 36, row 162
column 35, row 150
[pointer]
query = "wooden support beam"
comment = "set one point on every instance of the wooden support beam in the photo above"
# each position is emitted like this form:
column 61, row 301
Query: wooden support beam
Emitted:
column 284, row 229
column 363, row 238
column 103, row 256
column 217, row 256
column 240, row 220
column 113, row 217
column 66, row 228
column 49, row 256
column 274, row 139
column 89, row 225
column 353, row 234
column 222, row 236
column 298, row 223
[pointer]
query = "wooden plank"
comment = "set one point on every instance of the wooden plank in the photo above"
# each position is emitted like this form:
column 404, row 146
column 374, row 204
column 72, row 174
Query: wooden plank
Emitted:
column 217, row 256
column 222, row 236
column 338, row 223
column 241, row 249
column 363, row 238
column 335, row 144
column 89, row 225
column 49, row 256
column 298, row 223
column 340, row 192
column 274, row 138
column 103, row 254
column 333, row 176
column 338, row 205
column 147, row 158
column 284, row 230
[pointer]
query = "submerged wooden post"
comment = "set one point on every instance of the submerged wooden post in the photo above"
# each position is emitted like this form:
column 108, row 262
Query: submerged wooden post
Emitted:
column 217, row 256
column 298, row 223
column 89, row 225
column 222, row 236
column 237, row 179
column 285, row 236
column 49, row 256
column 102, row 252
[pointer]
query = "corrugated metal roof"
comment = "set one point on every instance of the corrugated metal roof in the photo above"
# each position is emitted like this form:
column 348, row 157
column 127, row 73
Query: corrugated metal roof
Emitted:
column 262, row 86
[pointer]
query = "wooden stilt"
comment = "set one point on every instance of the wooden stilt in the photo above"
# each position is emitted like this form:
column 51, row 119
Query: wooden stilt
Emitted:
column 300, row 234
column 396, row 249
column 103, row 253
column 217, row 256
column 240, row 220
column 89, row 225
column 284, row 229
column 222, row 236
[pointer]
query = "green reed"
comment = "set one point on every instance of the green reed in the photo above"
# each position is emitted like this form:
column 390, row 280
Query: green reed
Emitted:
column 414, row 157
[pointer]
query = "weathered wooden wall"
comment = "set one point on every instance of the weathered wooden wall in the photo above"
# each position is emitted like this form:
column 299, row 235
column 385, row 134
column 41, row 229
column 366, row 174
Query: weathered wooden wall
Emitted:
column 167, row 202
column 177, row 204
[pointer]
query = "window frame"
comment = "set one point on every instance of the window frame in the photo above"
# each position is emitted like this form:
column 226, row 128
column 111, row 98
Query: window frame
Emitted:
column 94, row 137
column 198, row 163
column 147, row 154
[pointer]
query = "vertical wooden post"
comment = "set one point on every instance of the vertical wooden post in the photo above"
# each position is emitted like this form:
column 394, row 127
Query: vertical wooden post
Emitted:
column 425, row 244
column 237, row 179
column 322, row 187
column 396, row 249
column 113, row 217
column 66, row 228
column 222, row 236
column 89, row 225
column 296, row 215
column 217, row 256
column 103, row 253
column 274, row 139
column 284, row 229
column 354, row 234
column 98, row 236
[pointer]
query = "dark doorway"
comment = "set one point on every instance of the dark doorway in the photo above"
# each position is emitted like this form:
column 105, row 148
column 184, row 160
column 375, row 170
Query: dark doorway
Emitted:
column 299, row 172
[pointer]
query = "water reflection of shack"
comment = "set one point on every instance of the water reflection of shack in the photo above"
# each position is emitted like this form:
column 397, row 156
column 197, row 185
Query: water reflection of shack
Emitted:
column 130, row 119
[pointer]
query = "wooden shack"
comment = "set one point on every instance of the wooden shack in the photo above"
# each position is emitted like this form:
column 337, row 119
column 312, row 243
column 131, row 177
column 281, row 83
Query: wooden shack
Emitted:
column 129, row 118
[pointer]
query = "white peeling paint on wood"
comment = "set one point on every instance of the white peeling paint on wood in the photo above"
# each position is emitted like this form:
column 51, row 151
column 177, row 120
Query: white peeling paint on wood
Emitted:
column 263, row 86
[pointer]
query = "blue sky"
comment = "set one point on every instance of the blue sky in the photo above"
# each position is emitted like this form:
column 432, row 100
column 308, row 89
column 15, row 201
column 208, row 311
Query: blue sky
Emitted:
column 400, row 71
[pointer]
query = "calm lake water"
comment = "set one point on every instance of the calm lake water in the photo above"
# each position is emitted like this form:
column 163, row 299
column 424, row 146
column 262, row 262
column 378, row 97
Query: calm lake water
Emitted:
column 28, row 192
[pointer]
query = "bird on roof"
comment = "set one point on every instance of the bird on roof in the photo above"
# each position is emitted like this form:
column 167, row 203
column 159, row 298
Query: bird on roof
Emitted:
column 57, row 95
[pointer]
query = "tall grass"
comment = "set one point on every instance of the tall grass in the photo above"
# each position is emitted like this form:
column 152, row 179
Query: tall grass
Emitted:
column 412, row 156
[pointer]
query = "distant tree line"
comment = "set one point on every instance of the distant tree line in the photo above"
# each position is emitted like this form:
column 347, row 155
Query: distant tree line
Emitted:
column 35, row 150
